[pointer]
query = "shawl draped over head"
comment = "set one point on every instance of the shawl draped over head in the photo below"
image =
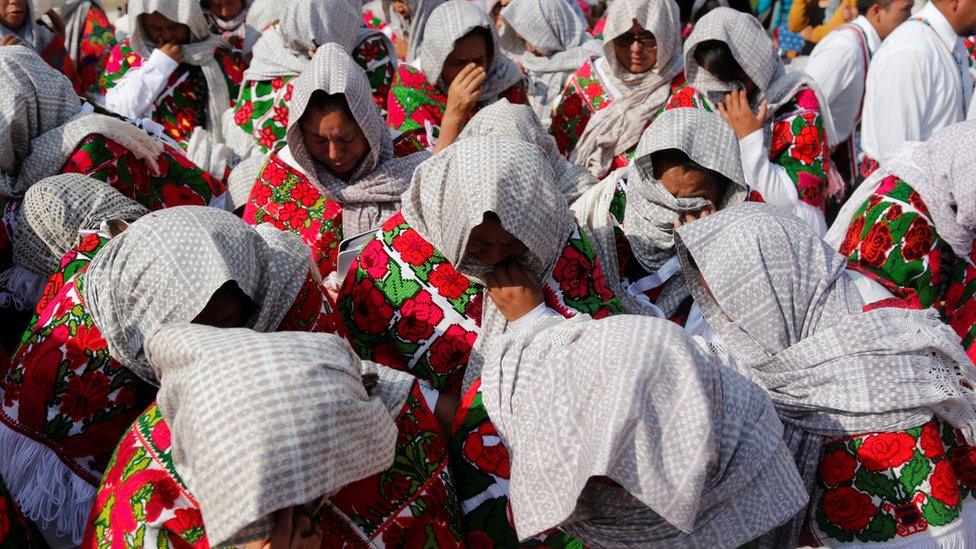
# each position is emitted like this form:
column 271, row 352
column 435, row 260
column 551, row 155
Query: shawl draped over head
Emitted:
column 449, row 23
column 262, row 422
column 694, row 448
column 518, row 121
column 559, row 34
column 451, row 192
column 31, row 33
column 781, row 301
column 167, row 265
column 651, row 210
column 56, row 209
column 756, row 54
column 614, row 129
column 414, row 30
column 941, row 171
column 75, row 14
column 199, row 52
column 373, row 192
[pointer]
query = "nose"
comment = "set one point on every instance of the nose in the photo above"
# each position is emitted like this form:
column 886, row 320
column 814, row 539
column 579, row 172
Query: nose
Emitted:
column 336, row 152
column 635, row 47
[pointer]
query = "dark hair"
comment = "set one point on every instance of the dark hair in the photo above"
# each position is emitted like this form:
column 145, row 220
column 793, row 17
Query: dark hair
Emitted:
column 715, row 57
column 323, row 102
column 864, row 5
column 678, row 157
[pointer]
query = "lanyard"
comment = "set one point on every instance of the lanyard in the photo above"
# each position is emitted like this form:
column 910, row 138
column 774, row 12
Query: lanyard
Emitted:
column 866, row 57
column 959, row 67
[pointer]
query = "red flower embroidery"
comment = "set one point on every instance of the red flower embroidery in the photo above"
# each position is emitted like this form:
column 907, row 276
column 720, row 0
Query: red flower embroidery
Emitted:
column 875, row 246
column 807, row 100
column 293, row 214
column 244, row 113
column 277, row 83
column 474, row 308
column 484, row 449
column 572, row 272
column 945, row 487
column 837, row 467
column 281, row 114
column 449, row 283
column 917, row 240
column 849, row 509
column 683, row 98
column 266, row 137
column 782, row 138
column 412, row 247
column 87, row 394
column 418, row 318
column 916, row 201
column 883, row 451
column 86, row 339
column 572, row 107
column 893, row 213
column 374, row 260
column 806, row 145
column 931, row 442
column 164, row 496
column 177, row 194
column 275, row 173
column 305, row 194
column 89, row 243
column 371, row 313
column 388, row 355
column 452, row 349
column 810, row 188
column 593, row 91
column 963, row 460
column 853, row 236
column 288, row 89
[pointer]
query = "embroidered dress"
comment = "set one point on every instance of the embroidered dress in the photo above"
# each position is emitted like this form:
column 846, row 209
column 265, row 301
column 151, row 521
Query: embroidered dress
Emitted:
column 585, row 95
column 182, row 105
column 143, row 501
column 97, row 41
column 57, row 56
column 416, row 108
column 179, row 182
column 799, row 140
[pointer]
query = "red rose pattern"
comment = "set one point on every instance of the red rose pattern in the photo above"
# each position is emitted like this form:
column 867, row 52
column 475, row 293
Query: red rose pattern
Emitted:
column 884, row 451
column 418, row 318
column 875, row 246
column 412, row 247
column 849, row 509
column 452, row 349
column 572, row 270
column 963, row 460
column 449, row 283
column 945, row 487
column 807, row 145
column 931, row 441
column 837, row 467
column 485, row 450
column 853, row 236
column 917, row 240
column 87, row 394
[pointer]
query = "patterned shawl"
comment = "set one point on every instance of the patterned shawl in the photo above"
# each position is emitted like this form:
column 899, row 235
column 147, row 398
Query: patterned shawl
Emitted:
column 518, row 121
column 447, row 24
column 56, row 209
column 262, row 422
column 558, row 32
column 942, row 172
column 779, row 298
column 167, row 265
column 614, row 129
column 451, row 192
column 694, row 448
column 31, row 33
column 756, row 54
column 415, row 29
column 373, row 192
column 199, row 52
column 651, row 210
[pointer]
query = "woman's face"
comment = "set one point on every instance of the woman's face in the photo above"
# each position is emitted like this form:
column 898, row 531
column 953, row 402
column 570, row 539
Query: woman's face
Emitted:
column 226, row 9
column 469, row 49
column 335, row 140
column 13, row 13
column 229, row 307
column 684, row 181
column 496, row 16
column 636, row 49
column 401, row 8
column 161, row 30
column 491, row 244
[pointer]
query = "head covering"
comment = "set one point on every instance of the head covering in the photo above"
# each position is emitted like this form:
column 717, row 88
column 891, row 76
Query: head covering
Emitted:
column 450, row 22
column 241, row 181
column 31, row 33
column 779, row 298
column 167, row 265
column 558, row 32
column 614, row 129
column 695, row 449
column 941, row 172
column 414, row 30
column 262, row 422
column 199, row 52
column 56, row 209
column 756, row 54
column 518, row 121
column 651, row 210
column 373, row 192
column 451, row 192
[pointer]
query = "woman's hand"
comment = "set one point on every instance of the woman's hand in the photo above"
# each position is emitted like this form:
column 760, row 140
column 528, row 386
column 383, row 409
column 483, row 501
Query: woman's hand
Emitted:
column 738, row 114
column 293, row 530
column 462, row 97
column 688, row 217
column 402, row 46
column 514, row 290
column 173, row 51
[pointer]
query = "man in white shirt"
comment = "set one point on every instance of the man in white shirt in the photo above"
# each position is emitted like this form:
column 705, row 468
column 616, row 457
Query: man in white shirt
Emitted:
column 919, row 80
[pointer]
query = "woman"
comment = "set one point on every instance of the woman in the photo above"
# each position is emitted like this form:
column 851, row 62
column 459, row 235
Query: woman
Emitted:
column 686, row 163
column 80, row 376
column 163, row 498
column 19, row 26
column 460, row 70
column 404, row 22
column 674, row 449
column 259, row 120
column 227, row 19
column 613, row 97
column 483, row 230
column 337, row 177
column 89, row 38
column 784, row 128
column 172, row 69
column 861, row 387
column 554, row 44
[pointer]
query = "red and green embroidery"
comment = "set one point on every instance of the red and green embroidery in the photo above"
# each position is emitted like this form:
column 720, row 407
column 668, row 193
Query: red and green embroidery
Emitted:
column 56, row 55
column 97, row 40
column 286, row 198
column 262, row 111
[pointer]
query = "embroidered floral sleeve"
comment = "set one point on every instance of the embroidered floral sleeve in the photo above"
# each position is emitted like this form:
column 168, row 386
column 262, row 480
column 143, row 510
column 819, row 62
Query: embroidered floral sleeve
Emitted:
column 118, row 62
column 97, row 41
column 374, row 58
column 262, row 111
column 583, row 96
column 232, row 64
column 375, row 22
column 56, row 55
column 686, row 96
column 799, row 145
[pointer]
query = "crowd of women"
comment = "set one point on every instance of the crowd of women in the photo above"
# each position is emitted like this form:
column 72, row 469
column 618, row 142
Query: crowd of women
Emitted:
column 440, row 273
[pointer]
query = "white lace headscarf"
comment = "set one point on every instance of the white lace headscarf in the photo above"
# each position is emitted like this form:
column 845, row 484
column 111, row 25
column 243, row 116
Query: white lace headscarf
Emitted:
column 781, row 301
column 614, row 129
column 263, row 422
column 166, row 266
column 373, row 192
column 694, row 450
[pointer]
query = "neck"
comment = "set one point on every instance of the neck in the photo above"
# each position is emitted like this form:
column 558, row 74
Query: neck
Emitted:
column 943, row 7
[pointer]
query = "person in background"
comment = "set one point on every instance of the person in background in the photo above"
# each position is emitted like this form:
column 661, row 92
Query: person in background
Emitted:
column 919, row 81
column 228, row 19
column 814, row 19
column 403, row 21
column 19, row 25
column 89, row 38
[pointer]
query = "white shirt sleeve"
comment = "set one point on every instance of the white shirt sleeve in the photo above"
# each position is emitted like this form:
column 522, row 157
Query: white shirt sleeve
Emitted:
column 775, row 185
column 134, row 95
column 530, row 318
column 832, row 66
column 895, row 102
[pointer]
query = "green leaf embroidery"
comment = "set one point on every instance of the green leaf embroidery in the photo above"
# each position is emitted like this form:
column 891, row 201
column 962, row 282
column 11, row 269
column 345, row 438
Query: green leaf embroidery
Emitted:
column 937, row 513
column 876, row 484
column 829, row 529
column 915, row 472
column 881, row 528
